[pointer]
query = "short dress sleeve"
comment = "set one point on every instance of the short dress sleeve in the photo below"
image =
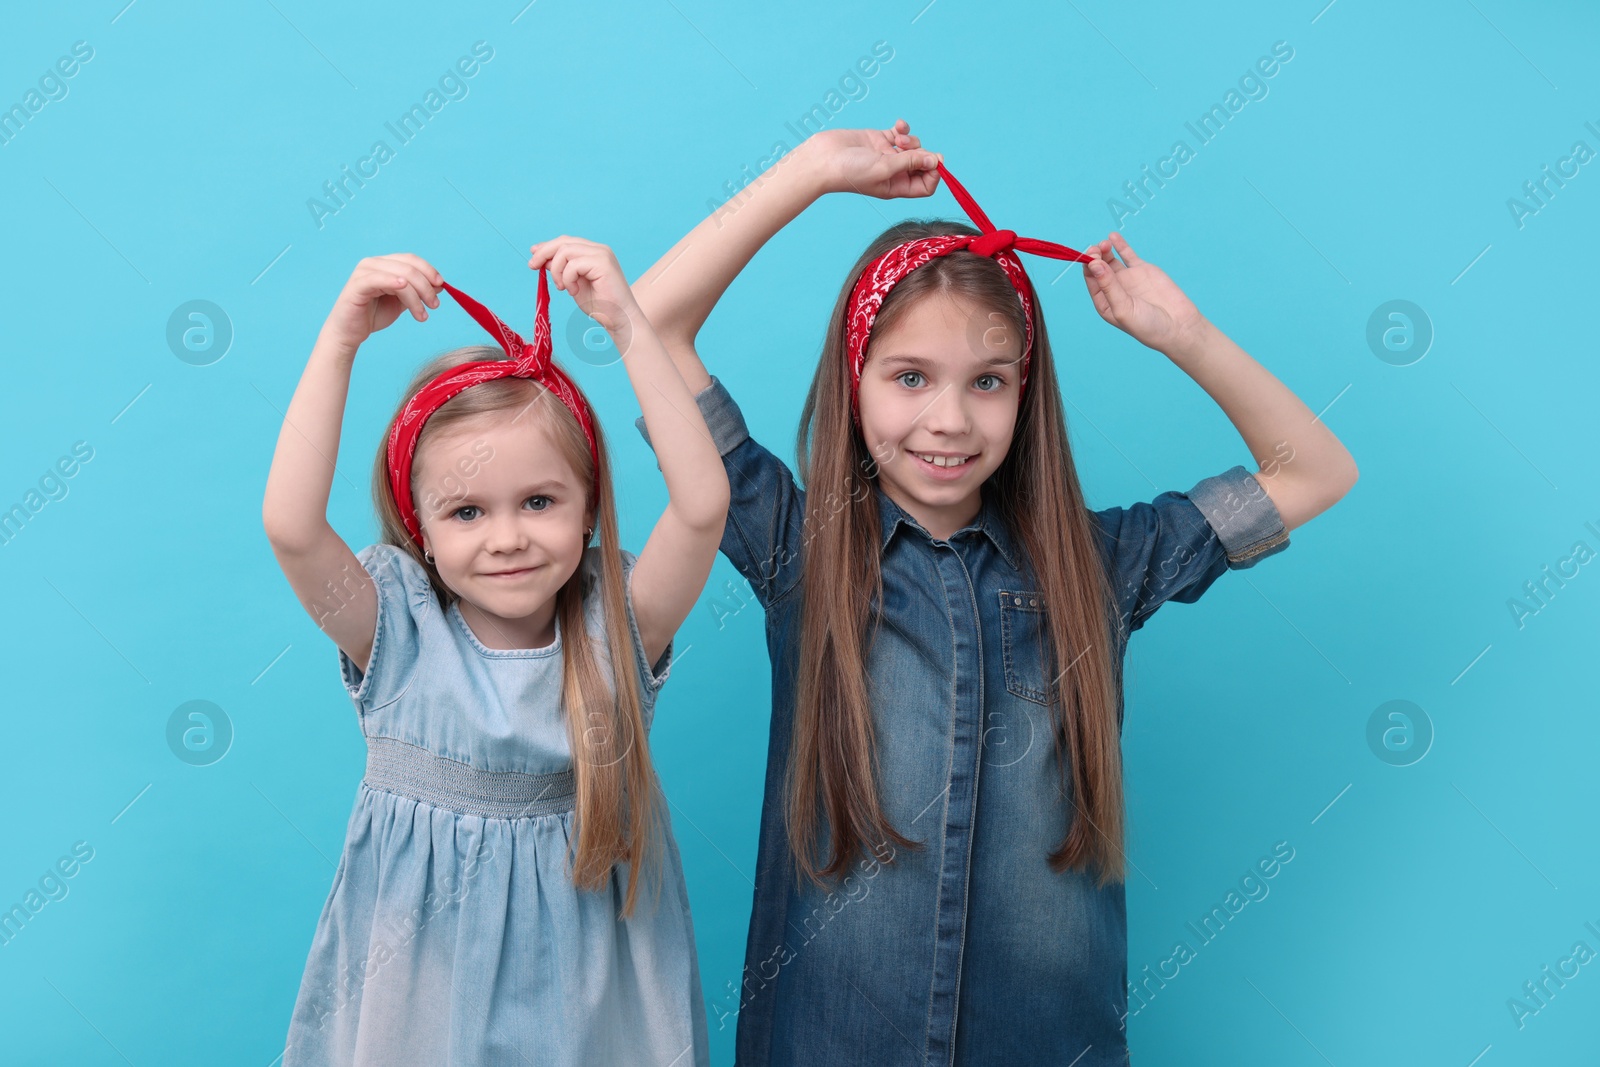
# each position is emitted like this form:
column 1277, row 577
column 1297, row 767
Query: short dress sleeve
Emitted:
column 406, row 606
column 651, row 677
column 1175, row 546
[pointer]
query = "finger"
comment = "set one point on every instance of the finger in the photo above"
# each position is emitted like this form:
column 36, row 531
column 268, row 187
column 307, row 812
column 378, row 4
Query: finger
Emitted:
column 1095, row 275
column 913, row 163
column 370, row 282
column 421, row 279
column 412, row 297
column 558, row 262
column 392, row 281
column 1094, row 272
column 580, row 244
column 579, row 259
column 544, row 251
column 1129, row 257
column 421, row 264
column 418, row 274
column 922, row 183
column 418, row 278
column 1106, row 256
column 539, row 255
column 1118, row 302
column 571, row 274
column 572, row 258
column 377, row 277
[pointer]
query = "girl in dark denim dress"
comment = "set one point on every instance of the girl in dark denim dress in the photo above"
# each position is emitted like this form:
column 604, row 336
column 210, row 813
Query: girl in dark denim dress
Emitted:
column 940, row 869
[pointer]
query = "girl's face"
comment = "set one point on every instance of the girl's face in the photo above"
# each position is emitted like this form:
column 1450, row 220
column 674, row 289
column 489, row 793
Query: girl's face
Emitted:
column 503, row 513
column 938, row 404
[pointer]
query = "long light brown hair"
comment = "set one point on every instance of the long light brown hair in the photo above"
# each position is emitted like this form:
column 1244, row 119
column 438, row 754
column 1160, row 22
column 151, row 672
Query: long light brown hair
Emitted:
column 615, row 783
column 831, row 772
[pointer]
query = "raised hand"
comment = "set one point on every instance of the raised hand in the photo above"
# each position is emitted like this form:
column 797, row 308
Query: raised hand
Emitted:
column 379, row 289
column 1138, row 298
column 591, row 273
column 882, row 163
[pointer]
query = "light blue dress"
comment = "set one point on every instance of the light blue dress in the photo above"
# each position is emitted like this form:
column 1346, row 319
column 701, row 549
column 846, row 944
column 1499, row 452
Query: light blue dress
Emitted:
column 453, row 933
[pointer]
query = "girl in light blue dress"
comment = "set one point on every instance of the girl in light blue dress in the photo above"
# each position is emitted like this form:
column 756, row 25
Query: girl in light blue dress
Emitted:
column 509, row 890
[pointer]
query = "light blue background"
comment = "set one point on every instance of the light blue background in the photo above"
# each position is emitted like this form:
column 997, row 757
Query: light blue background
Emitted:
column 1378, row 167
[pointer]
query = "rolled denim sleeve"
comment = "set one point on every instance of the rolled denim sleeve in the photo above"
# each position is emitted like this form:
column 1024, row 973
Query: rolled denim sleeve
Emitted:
column 722, row 415
column 766, row 509
column 1175, row 546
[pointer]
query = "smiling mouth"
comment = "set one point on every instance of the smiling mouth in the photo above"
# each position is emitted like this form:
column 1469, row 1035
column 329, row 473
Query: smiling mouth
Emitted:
column 509, row 574
column 934, row 460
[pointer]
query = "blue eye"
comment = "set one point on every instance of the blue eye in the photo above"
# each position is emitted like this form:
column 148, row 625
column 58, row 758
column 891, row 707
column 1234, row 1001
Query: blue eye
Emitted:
column 901, row 378
column 999, row 382
column 541, row 503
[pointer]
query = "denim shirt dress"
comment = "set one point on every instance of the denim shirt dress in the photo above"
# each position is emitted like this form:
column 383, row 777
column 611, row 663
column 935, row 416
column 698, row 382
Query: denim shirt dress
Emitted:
column 453, row 932
column 969, row 950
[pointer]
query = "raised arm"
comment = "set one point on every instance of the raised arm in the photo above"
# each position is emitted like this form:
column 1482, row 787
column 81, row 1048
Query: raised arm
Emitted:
column 679, row 291
column 677, row 557
column 331, row 583
column 763, row 536
column 1303, row 467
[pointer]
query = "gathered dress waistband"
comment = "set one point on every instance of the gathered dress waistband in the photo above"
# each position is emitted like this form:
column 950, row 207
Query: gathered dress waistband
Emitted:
column 409, row 770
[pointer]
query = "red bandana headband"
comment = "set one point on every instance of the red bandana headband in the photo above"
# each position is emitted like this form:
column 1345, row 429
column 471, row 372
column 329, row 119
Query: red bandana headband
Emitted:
column 885, row 272
column 526, row 361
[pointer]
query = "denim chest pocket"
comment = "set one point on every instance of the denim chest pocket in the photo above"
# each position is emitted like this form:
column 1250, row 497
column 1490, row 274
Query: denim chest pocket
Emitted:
column 1022, row 642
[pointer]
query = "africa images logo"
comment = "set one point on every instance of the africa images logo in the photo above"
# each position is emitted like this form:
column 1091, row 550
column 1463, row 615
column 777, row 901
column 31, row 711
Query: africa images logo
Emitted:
column 452, row 85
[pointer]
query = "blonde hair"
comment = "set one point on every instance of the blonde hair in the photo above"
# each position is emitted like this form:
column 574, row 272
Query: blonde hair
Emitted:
column 833, row 758
column 616, row 808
